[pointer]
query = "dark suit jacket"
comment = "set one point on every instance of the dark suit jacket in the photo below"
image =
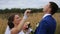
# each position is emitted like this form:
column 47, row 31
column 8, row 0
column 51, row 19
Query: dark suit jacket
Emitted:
column 46, row 26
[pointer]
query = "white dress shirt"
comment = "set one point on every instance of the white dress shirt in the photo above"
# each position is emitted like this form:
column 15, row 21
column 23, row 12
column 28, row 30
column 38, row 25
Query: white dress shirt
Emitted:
column 46, row 15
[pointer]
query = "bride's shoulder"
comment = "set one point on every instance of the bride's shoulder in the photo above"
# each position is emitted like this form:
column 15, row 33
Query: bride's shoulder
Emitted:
column 13, row 30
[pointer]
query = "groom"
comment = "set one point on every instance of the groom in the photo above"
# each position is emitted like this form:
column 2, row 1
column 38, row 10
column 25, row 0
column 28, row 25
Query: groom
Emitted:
column 48, row 23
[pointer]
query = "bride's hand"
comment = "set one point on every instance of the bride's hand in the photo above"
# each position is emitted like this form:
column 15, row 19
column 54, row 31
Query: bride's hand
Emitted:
column 26, row 14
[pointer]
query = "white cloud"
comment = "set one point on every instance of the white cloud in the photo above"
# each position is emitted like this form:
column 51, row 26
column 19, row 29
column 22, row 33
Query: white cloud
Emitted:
column 24, row 3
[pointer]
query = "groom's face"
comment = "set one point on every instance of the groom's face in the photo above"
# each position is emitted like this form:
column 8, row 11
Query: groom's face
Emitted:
column 46, row 8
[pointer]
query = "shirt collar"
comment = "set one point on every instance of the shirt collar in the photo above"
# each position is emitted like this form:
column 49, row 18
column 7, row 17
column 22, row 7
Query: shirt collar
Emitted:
column 46, row 15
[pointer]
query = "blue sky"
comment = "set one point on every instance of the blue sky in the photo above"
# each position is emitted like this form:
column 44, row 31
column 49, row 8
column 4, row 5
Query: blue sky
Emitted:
column 25, row 3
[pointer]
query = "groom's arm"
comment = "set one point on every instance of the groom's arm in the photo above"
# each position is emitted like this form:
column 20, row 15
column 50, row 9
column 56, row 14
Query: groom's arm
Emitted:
column 42, row 28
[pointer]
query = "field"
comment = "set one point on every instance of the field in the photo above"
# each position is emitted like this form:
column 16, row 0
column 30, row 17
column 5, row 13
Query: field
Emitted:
column 34, row 19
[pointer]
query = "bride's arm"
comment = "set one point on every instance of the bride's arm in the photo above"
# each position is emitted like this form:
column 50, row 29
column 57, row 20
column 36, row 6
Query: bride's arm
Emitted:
column 19, row 27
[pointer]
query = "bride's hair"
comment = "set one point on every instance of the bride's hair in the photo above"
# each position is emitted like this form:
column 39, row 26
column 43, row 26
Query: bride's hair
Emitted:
column 10, row 21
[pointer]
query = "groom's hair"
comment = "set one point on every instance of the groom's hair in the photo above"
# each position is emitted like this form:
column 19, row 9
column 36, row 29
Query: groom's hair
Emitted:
column 54, row 7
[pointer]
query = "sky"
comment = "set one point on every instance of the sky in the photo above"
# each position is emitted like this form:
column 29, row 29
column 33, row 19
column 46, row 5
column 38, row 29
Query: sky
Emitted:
column 25, row 3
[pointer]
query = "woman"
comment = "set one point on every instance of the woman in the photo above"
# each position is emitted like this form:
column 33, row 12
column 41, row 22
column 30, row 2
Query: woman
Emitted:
column 15, row 24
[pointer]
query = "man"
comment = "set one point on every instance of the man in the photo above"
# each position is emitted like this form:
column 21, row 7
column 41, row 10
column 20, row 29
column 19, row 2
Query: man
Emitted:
column 48, row 23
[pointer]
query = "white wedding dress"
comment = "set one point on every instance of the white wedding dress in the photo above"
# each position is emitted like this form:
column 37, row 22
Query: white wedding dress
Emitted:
column 8, row 31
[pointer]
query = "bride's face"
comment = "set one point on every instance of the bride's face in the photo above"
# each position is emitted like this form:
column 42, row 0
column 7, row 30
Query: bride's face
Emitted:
column 17, row 19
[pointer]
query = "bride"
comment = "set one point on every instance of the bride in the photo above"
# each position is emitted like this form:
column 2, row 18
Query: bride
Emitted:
column 15, row 23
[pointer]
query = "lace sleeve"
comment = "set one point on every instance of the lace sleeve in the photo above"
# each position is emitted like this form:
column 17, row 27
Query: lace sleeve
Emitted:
column 7, row 31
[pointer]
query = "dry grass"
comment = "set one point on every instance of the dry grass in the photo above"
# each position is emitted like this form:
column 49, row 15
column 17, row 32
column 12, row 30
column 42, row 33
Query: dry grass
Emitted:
column 34, row 19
